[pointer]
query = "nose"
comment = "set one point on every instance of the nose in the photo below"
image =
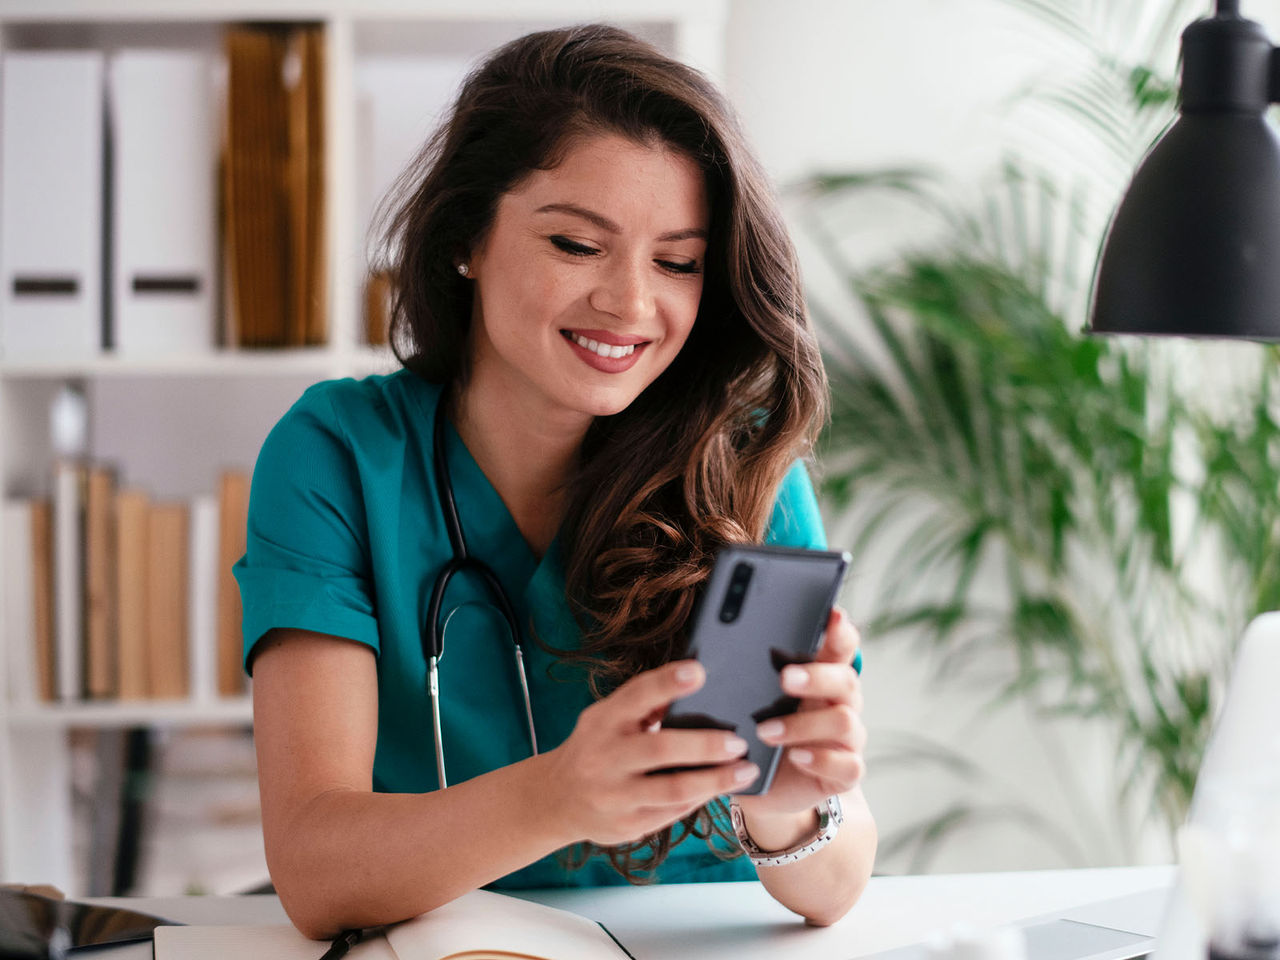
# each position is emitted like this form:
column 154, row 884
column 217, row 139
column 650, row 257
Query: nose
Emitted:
column 624, row 290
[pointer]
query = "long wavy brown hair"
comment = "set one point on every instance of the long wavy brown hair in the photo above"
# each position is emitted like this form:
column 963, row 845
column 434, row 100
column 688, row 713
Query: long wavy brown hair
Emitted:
column 695, row 462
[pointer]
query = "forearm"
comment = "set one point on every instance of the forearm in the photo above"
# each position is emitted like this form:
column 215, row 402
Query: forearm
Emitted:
column 359, row 859
column 824, row 886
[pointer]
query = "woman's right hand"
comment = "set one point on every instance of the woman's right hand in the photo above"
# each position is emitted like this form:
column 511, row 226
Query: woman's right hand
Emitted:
column 602, row 777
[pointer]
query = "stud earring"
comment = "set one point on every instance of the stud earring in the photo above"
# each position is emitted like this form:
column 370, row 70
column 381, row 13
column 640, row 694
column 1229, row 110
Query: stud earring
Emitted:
column 463, row 269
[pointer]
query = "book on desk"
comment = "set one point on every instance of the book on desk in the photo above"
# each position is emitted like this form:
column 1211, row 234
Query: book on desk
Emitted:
column 476, row 926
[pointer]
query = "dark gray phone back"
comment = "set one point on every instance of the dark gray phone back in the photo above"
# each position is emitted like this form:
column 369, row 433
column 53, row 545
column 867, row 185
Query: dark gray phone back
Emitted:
column 782, row 617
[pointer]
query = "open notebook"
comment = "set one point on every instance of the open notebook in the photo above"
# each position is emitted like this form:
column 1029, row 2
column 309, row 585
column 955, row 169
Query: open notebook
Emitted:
column 478, row 926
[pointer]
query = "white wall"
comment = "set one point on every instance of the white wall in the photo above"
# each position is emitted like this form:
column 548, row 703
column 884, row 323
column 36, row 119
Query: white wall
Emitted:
column 825, row 85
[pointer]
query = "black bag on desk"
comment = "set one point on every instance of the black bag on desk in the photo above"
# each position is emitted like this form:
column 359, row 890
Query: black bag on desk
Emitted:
column 33, row 927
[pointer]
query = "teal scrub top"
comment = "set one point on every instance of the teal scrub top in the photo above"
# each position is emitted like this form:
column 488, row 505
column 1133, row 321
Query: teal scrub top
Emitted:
column 345, row 537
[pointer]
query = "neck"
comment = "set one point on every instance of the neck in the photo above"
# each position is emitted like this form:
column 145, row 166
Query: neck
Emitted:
column 527, row 453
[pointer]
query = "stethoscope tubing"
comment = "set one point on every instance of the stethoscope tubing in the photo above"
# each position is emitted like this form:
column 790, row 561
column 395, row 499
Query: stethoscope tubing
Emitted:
column 433, row 642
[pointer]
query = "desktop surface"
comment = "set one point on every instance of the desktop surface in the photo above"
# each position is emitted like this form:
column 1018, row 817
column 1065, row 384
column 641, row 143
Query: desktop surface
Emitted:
column 717, row 921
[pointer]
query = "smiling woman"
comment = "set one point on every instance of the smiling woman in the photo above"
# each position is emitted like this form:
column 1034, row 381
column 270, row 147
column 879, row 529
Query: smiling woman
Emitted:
column 468, row 585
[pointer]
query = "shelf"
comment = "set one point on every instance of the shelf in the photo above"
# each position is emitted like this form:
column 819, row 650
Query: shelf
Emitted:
column 305, row 361
column 222, row 363
column 154, row 713
column 445, row 10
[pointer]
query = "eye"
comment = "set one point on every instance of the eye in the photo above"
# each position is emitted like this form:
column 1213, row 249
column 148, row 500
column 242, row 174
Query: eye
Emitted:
column 573, row 247
column 685, row 267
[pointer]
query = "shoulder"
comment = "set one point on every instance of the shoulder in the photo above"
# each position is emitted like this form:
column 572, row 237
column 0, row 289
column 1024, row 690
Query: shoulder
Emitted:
column 796, row 520
column 359, row 417
column 349, row 405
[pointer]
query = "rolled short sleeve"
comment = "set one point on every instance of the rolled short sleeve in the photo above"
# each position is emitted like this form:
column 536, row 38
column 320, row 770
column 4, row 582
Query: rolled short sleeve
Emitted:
column 306, row 563
column 796, row 520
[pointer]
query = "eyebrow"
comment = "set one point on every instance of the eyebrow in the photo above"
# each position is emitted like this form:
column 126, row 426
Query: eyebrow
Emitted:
column 604, row 223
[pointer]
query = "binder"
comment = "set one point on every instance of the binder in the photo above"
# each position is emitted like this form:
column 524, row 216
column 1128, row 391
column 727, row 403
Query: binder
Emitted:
column 51, row 205
column 164, row 201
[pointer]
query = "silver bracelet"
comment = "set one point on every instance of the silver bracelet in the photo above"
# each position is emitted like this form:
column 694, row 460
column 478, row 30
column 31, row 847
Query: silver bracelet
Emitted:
column 830, row 816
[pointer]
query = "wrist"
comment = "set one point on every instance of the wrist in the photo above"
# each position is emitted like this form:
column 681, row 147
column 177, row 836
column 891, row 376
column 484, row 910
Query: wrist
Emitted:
column 550, row 811
column 779, row 831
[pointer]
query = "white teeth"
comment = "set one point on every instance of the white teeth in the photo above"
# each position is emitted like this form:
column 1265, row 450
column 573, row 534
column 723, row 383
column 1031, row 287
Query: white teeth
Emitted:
column 603, row 349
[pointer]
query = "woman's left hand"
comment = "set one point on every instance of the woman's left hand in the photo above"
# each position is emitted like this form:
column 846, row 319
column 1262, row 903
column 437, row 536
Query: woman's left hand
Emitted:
column 825, row 738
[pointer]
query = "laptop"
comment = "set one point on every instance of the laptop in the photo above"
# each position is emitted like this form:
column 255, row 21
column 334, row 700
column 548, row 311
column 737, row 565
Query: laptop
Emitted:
column 1165, row 924
column 1123, row 928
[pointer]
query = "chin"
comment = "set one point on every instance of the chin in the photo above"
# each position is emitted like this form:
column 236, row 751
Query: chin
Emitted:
column 605, row 403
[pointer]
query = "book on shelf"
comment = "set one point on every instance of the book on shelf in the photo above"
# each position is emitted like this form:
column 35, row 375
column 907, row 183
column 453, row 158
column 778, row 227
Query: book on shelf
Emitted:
column 18, row 601
column 69, row 481
column 28, row 600
column 167, row 582
column 477, row 926
column 42, row 573
column 100, row 577
column 151, row 582
column 233, row 513
column 133, row 510
column 377, row 308
column 202, row 624
column 273, row 185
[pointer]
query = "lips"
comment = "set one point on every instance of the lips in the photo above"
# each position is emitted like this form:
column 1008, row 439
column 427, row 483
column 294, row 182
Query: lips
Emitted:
column 589, row 353
column 605, row 336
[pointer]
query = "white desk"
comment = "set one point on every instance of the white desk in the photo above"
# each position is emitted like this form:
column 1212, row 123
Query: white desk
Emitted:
column 717, row 921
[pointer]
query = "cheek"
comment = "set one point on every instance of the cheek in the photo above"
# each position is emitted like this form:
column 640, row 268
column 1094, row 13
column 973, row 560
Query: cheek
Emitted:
column 683, row 311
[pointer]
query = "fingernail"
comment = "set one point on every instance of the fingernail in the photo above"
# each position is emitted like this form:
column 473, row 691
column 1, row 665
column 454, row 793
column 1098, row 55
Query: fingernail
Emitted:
column 687, row 674
column 795, row 677
column 734, row 746
column 802, row 756
column 746, row 773
column 770, row 729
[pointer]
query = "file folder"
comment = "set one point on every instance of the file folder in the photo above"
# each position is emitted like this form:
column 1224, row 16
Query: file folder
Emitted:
column 51, row 205
column 164, row 202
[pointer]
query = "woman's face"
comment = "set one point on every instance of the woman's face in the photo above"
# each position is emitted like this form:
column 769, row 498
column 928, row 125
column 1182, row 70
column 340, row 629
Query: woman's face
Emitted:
column 588, row 282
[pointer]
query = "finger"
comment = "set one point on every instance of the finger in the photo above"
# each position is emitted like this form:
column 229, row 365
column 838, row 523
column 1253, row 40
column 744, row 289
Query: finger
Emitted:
column 837, row 770
column 682, row 748
column 841, row 641
column 694, row 787
column 839, row 726
column 649, row 693
column 825, row 681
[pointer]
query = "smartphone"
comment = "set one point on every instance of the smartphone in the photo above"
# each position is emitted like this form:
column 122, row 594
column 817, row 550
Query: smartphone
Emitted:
column 763, row 608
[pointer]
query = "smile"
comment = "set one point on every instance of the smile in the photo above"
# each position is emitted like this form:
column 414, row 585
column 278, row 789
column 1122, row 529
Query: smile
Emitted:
column 606, row 351
column 601, row 349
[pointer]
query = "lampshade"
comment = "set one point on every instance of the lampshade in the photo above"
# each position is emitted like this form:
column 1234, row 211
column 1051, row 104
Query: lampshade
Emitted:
column 1194, row 246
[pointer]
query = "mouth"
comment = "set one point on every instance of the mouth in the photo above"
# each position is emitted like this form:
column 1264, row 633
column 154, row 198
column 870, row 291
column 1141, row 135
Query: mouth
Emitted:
column 605, row 351
column 610, row 346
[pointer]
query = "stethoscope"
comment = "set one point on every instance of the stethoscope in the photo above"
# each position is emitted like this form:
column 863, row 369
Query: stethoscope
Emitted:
column 433, row 636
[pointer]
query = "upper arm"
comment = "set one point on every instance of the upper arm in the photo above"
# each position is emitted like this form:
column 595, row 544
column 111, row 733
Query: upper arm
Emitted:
column 315, row 723
column 307, row 562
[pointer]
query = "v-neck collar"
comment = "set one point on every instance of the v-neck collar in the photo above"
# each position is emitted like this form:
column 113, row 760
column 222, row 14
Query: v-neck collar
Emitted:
column 490, row 530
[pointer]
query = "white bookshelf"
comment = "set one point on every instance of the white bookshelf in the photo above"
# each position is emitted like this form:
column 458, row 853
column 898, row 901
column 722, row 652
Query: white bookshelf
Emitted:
column 184, row 395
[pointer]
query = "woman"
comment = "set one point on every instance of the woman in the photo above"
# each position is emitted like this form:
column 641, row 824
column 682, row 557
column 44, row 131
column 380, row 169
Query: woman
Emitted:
column 599, row 314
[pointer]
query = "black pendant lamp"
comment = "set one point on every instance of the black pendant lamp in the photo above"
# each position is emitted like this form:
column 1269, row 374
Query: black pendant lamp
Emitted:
column 1194, row 247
